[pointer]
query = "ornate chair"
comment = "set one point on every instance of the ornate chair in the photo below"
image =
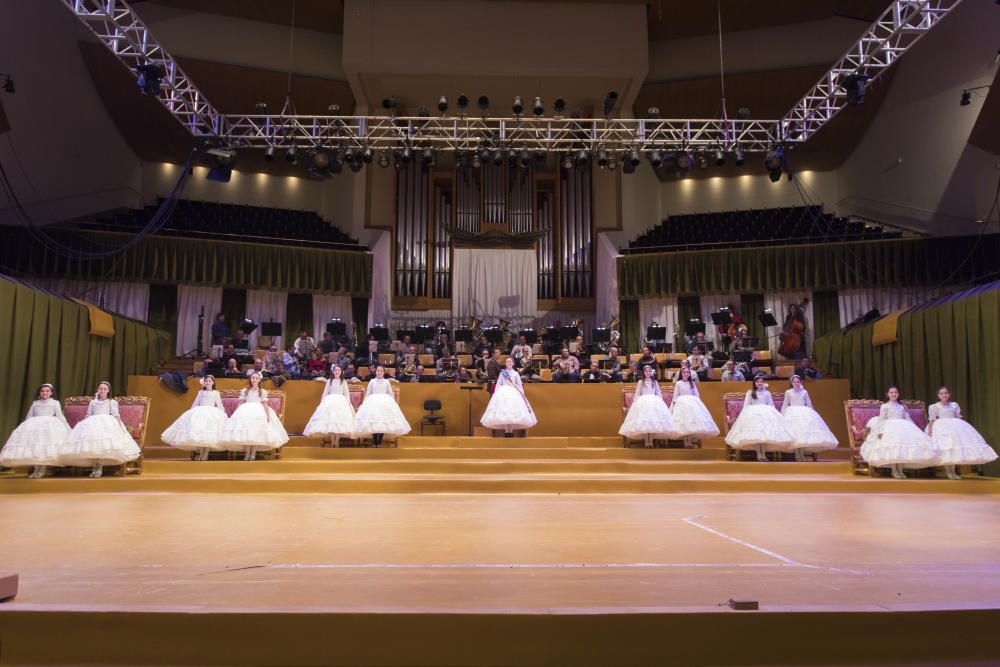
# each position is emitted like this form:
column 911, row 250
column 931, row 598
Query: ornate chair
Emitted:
column 275, row 399
column 858, row 412
column 357, row 398
column 628, row 396
column 134, row 412
column 733, row 403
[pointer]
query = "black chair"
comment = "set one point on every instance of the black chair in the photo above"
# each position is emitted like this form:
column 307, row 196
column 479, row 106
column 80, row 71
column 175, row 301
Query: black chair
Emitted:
column 431, row 419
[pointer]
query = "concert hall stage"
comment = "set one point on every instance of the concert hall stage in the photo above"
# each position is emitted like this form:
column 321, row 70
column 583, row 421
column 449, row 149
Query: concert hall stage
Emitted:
column 547, row 550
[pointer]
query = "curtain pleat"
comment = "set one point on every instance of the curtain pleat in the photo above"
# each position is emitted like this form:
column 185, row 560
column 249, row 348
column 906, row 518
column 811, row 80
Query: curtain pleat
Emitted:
column 826, row 313
column 130, row 299
column 753, row 306
column 631, row 328
column 299, row 315
column 190, row 302
column 494, row 285
column 163, row 308
column 268, row 306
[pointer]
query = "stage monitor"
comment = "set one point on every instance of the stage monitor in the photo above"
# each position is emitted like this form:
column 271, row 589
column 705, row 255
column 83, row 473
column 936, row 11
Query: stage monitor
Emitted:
column 693, row 327
column 600, row 335
column 425, row 332
column 380, row 333
column 464, row 335
column 336, row 327
column 766, row 319
column 656, row 333
column 530, row 336
column 271, row 329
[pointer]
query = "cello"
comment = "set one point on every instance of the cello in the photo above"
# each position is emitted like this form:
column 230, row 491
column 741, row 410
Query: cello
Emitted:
column 792, row 332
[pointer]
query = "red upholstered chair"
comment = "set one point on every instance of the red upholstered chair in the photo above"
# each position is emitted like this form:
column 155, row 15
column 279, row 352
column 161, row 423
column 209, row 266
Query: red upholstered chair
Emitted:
column 358, row 397
column 134, row 413
column 732, row 403
column 275, row 399
column 779, row 399
column 628, row 396
column 858, row 412
column 668, row 395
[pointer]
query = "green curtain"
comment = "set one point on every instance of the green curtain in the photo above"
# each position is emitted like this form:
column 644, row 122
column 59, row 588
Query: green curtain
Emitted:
column 752, row 305
column 924, row 261
column 196, row 262
column 163, row 308
column 687, row 307
column 629, row 321
column 953, row 344
column 826, row 313
column 234, row 307
column 359, row 315
column 47, row 338
column 298, row 314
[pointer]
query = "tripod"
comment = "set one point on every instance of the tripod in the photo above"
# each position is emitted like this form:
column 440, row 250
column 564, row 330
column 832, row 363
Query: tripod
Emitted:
column 198, row 352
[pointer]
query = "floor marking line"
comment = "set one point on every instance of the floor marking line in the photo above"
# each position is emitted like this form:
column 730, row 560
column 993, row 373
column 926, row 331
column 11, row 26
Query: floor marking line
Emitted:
column 505, row 566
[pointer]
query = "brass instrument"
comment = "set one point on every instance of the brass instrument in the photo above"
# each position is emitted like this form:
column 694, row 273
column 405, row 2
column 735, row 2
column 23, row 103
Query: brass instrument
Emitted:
column 616, row 335
column 409, row 367
column 506, row 335
column 477, row 328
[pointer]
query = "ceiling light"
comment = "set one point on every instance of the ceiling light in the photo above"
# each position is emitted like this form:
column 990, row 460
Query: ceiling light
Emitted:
column 537, row 107
column 559, row 106
column 655, row 158
column 738, row 158
column 443, row 104
column 720, row 157
column 517, row 106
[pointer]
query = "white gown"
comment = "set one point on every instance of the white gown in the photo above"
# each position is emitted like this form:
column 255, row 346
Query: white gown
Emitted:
column 809, row 432
column 648, row 414
column 200, row 427
column 100, row 437
column 958, row 441
column 691, row 418
column 38, row 440
column 253, row 424
column 508, row 407
column 900, row 442
column 334, row 415
column 379, row 412
column 759, row 423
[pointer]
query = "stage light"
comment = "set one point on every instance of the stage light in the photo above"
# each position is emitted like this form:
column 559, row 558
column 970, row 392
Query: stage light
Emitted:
column 319, row 162
column 524, row 159
column 497, row 157
column 397, row 163
column 460, row 160
column 443, row 104
column 627, row 166
column 290, row 156
column 427, row 157
column 537, row 107
column 224, row 159
column 462, row 102
column 484, row 155
column 559, row 106
column 702, row 162
column 383, row 159
column 367, row 154
column 356, row 164
column 653, row 112
column 511, row 157
column 477, row 160
column 517, row 106
column 854, row 85
column 390, row 105
column 655, row 158
column 738, row 157
column 150, row 76
column 612, row 162
column 609, row 102
column 406, row 154
column 632, row 158
column 269, row 154
column 582, row 157
column 484, row 103
column 743, row 113
column 965, row 101
column 260, row 108
column 720, row 157
column 333, row 110
column 423, row 111
column 773, row 162
column 683, row 161
column 567, row 161
column 775, row 176
column 602, row 158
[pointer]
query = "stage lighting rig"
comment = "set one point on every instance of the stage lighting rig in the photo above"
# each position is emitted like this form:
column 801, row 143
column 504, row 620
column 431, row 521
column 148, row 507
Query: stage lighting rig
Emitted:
column 460, row 160
column 383, row 159
column 260, row 108
column 290, row 156
column 150, row 78
column 524, row 159
column 854, row 86
column 582, row 157
column 567, row 161
column 720, row 157
column 462, row 102
column 269, row 154
column 653, row 112
column 428, row 158
column 484, row 103
column 477, row 160
column 774, row 161
column 391, row 105
column 367, row 154
column 683, row 161
column 559, row 106
column 602, row 157
column 442, row 105
column 517, row 106
column 738, row 157
column 223, row 161
column 537, row 107
column 655, row 158
column 497, row 157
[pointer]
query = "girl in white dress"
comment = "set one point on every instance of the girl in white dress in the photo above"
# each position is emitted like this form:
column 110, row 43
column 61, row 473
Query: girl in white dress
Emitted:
column 199, row 428
column 692, row 421
column 895, row 441
column 648, row 417
column 508, row 408
column 101, row 438
column 959, row 442
column 38, row 440
column 334, row 417
column 809, row 432
column 760, row 426
column 253, row 427
column 379, row 413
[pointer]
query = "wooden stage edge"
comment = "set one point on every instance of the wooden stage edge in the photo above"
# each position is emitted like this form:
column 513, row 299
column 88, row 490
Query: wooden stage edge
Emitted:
column 538, row 637
column 562, row 409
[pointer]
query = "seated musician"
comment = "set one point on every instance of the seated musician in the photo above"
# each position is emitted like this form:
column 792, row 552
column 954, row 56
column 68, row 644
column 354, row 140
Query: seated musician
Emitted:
column 481, row 365
column 613, row 366
column 730, row 373
column 675, row 375
column 240, row 340
column 463, row 375
column 593, row 374
column 482, row 345
column 647, row 359
column 700, row 363
column 446, row 369
column 566, row 368
column 521, row 352
column 698, row 341
column 406, row 364
column 442, row 349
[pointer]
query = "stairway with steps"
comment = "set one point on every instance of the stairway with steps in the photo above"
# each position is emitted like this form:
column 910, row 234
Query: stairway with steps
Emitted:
column 553, row 465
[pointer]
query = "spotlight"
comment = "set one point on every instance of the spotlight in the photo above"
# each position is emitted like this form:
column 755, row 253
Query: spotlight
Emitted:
column 582, row 157
column 653, row 112
column 423, row 111
column 319, row 162
column 775, row 176
column 609, row 103
column 462, row 102
column 702, row 162
column 367, row 154
column 738, row 158
column 406, row 154
column 333, row 110
column 655, row 158
column 484, row 155
column 559, row 106
column 537, row 107
column 497, row 157
column 517, row 106
column 743, row 113
column 443, row 104
column 355, row 165
column 383, row 159
column 540, row 157
column 397, row 163
column 720, row 157
column 484, row 103
column 290, row 156
column 223, row 161
column 477, row 161
column 773, row 162
column 427, row 157
column 150, row 76
column 602, row 158
column 511, row 157
column 260, row 108
column 390, row 105
column 567, row 161
column 854, row 84
column 632, row 159
column 628, row 167
column 269, row 154
column 612, row 162
column 966, row 96
column 524, row 159
column 460, row 160
column 683, row 161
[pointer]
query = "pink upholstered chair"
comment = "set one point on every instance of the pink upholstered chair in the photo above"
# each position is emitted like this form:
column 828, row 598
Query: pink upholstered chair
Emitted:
column 628, row 396
column 358, row 397
column 275, row 399
column 732, row 403
column 134, row 412
column 859, row 412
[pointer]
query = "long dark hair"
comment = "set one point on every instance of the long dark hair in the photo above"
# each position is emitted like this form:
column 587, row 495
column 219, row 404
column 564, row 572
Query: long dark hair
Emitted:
column 260, row 390
column 753, row 392
column 690, row 375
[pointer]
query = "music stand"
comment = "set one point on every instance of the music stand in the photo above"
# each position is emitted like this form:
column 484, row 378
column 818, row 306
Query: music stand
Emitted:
column 493, row 335
column 656, row 333
column 379, row 333
column 600, row 335
column 693, row 327
column 766, row 319
column 530, row 335
column 336, row 327
column 403, row 333
column 272, row 329
column 568, row 333
column 722, row 318
column 424, row 333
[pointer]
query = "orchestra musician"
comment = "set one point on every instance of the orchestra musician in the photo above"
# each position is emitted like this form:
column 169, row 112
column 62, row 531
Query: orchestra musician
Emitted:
column 793, row 332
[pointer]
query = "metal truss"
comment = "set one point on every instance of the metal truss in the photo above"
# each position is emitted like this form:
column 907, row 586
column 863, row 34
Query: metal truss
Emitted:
column 124, row 34
column 899, row 27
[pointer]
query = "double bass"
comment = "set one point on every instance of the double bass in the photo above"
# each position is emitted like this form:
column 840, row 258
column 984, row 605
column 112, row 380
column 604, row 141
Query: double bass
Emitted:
column 793, row 331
